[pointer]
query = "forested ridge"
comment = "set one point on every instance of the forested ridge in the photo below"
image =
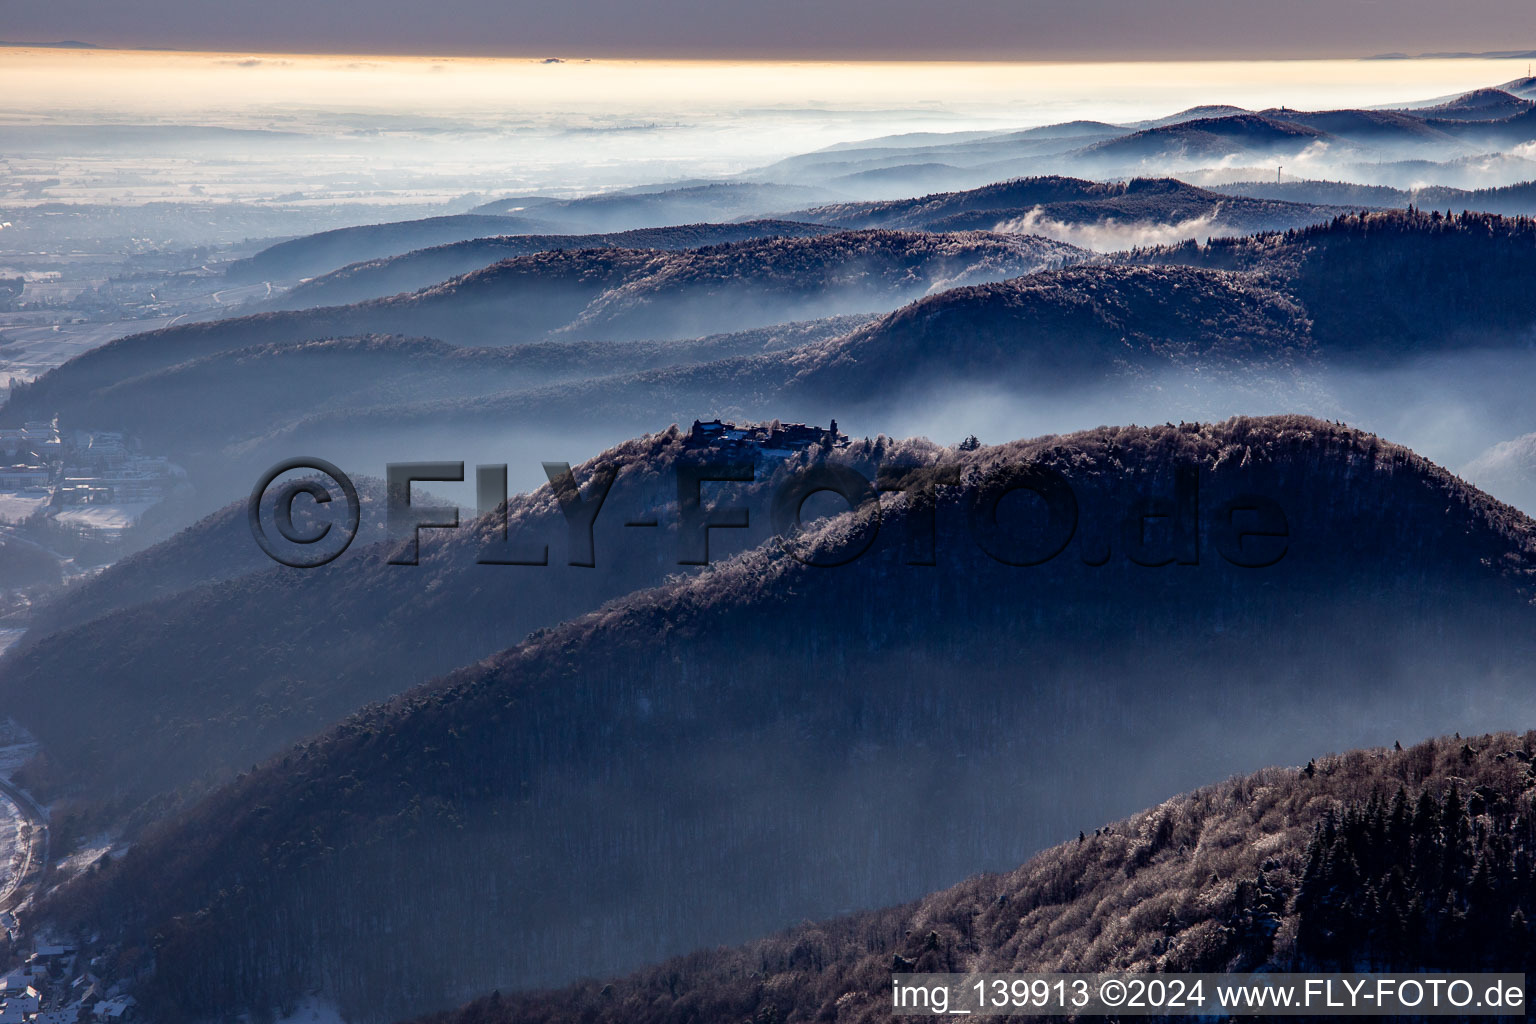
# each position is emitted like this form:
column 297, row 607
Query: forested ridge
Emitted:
column 1387, row 284
column 233, row 657
column 602, row 293
column 420, row 268
column 1072, row 201
column 1372, row 860
column 612, row 768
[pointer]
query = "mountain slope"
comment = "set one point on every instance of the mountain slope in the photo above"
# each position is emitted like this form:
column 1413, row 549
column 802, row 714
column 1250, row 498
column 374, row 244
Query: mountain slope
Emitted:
column 1053, row 333
column 1374, row 127
column 1391, row 283
column 190, row 409
column 1477, row 105
column 313, row 254
column 630, row 209
column 1195, row 113
column 598, row 293
column 1275, row 313
column 969, row 152
column 1230, row 877
column 1506, row 200
column 1208, row 137
column 216, row 547
column 1072, row 326
column 219, row 667
column 1382, row 288
column 414, row 270
column 727, row 754
column 1140, row 201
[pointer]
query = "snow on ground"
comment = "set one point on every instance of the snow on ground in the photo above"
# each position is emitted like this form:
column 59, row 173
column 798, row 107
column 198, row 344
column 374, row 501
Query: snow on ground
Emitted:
column 314, row 1010
column 12, row 850
column 48, row 345
column 104, row 517
column 16, row 506
column 91, row 851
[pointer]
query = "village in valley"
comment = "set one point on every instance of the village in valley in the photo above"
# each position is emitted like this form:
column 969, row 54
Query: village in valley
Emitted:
column 53, row 986
column 93, row 483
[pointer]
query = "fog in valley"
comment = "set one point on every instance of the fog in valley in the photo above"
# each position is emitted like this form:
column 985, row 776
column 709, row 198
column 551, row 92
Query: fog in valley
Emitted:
column 1195, row 292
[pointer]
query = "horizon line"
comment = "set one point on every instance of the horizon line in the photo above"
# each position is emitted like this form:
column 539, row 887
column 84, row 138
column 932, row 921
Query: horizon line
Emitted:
column 549, row 57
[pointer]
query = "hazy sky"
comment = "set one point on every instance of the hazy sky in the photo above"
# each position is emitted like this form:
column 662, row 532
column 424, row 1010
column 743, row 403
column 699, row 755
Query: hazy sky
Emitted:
column 848, row 29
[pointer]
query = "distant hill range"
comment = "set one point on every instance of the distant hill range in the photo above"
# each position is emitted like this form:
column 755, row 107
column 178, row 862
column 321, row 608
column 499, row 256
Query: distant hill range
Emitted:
column 1253, row 310
column 1509, row 200
column 603, row 293
column 1443, row 131
column 593, row 798
column 1052, row 335
column 65, row 44
column 1140, row 203
column 411, row 271
column 1377, row 859
column 290, row 383
column 1486, row 118
column 651, row 207
column 307, row 256
column 411, row 255
column 1399, row 266
column 1458, row 54
column 1207, row 137
column 392, row 258
column 1478, row 105
column 1522, row 87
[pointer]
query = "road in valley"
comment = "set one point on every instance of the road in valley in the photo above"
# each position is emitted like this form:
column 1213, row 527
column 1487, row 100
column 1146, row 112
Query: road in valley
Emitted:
column 34, row 866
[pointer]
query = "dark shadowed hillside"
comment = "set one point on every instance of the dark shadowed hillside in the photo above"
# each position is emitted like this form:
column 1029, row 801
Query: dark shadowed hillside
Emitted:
column 770, row 740
column 1065, row 327
column 1415, row 858
column 188, row 408
column 1515, row 130
column 1339, row 193
column 216, row 547
column 596, row 293
column 1379, row 127
column 1507, row 200
column 1073, row 201
column 221, row 658
column 1477, row 105
column 1055, row 332
column 410, row 271
column 1391, row 283
column 1386, row 286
